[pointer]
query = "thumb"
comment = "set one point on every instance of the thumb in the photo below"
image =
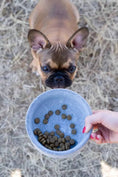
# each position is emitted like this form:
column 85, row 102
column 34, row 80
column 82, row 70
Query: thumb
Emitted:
column 88, row 125
column 91, row 120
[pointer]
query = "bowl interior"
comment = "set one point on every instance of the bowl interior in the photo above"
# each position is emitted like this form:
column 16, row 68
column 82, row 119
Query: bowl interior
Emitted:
column 53, row 100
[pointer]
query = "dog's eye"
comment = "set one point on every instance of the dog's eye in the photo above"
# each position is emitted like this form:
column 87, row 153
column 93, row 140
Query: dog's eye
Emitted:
column 45, row 68
column 71, row 69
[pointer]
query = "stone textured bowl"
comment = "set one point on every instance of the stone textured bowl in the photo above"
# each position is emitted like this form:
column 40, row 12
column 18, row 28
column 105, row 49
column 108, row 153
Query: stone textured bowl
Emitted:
column 53, row 100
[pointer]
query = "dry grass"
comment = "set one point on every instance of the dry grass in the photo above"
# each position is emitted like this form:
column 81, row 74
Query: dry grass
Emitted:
column 96, row 81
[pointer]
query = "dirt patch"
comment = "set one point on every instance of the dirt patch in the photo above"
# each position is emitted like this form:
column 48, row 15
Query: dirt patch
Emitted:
column 96, row 81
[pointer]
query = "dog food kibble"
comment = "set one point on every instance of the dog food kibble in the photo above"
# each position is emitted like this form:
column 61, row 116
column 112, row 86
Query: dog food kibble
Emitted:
column 52, row 142
column 54, row 148
column 64, row 107
column 55, row 140
column 45, row 136
column 73, row 131
column 67, row 138
column 67, row 144
column 61, row 145
column 45, row 121
column 58, row 132
column 56, row 144
column 57, row 112
column 59, row 140
column 63, row 140
column 69, row 117
column 49, row 148
column 52, row 145
column 63, row 116
column 40, row 134
column 39, row 138
column 36, row 131
column 47, row 116
column 72, row 142
column 43, row 142
column 37, row 120
column 61, row 135
column 72, row 125
column 50, row 113
column 46, row 133
column 57, row 127
column 48, row 141
column 52, row 133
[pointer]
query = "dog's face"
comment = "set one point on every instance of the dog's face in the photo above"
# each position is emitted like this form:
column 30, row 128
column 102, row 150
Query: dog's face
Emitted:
column 57, row 63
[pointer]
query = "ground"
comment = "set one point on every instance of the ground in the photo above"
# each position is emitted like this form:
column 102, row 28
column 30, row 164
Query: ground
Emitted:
column 96, row 81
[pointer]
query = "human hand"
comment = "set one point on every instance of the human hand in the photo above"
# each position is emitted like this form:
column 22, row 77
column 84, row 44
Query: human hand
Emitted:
column 106, row 123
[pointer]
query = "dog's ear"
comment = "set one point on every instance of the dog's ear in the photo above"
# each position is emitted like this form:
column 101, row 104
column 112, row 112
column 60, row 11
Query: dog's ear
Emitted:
column 38, row 40
column 78, row 39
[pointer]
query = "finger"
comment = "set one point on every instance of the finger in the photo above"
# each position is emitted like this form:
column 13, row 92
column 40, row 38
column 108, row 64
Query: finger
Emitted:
column 96, row 111
column 92, row 120
column 99, row 139
column 96, row 138
column 92, row 136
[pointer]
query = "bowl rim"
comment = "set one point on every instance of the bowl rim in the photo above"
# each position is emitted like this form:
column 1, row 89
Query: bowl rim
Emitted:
column 38, row 145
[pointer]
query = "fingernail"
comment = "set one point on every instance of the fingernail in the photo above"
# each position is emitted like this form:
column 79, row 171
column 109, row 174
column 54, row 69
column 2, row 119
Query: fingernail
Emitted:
column 91, row 137
column 84, row 129
column 97, row 138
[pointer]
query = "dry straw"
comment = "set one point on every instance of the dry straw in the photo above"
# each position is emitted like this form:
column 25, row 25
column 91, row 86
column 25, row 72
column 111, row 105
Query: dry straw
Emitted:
column 96, row 81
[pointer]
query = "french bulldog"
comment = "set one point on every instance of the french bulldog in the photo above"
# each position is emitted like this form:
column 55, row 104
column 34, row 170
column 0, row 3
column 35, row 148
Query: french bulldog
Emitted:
column 56, row 41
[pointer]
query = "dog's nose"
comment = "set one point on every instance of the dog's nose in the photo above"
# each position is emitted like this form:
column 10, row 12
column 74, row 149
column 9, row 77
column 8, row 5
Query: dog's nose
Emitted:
column 59, row 79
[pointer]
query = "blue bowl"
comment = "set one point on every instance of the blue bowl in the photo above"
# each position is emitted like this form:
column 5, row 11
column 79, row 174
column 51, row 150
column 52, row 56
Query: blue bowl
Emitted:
column 53, row 100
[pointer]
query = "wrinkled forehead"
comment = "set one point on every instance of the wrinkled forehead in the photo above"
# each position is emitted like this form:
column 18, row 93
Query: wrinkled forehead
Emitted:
column 61, row 56
column 59, row 53
column 57, row 57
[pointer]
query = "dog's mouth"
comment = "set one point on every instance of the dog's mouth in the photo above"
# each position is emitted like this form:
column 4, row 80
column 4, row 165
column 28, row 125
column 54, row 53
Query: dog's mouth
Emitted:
column 58, row 80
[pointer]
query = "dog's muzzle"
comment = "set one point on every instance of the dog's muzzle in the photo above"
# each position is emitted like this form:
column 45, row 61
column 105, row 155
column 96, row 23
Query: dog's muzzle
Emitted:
column 58, row 80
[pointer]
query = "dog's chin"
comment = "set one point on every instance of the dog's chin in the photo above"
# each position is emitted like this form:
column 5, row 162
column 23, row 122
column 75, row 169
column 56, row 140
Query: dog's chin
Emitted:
column 57, row 86
column 50, row 82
